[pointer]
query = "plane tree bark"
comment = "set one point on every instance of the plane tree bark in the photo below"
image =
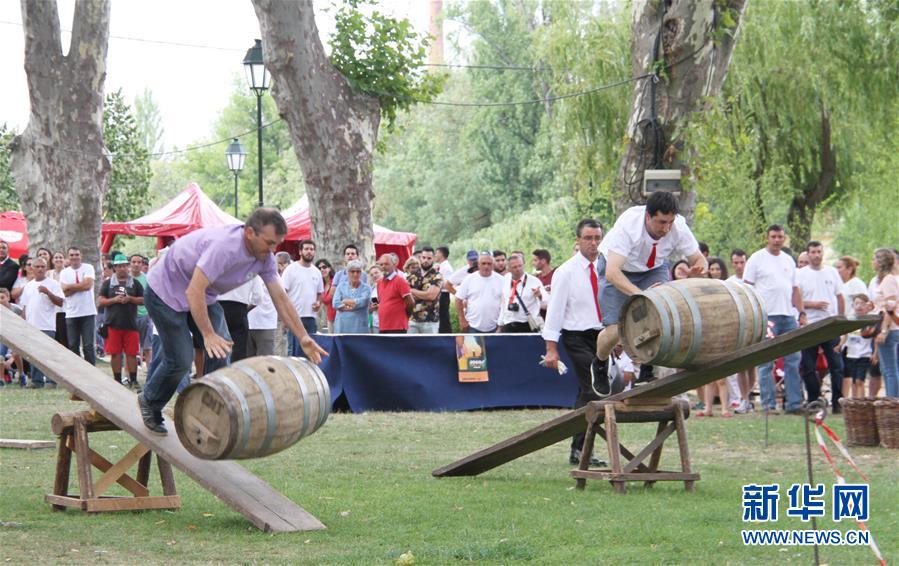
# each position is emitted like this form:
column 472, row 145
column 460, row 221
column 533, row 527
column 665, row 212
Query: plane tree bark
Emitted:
column 59, row 161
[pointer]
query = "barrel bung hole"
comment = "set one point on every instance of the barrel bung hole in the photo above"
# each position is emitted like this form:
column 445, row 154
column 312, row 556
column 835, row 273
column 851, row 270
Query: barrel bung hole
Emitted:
column 271, row 369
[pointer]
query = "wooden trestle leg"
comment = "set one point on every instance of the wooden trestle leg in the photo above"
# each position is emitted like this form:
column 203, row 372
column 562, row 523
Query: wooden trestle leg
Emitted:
column 604, row 417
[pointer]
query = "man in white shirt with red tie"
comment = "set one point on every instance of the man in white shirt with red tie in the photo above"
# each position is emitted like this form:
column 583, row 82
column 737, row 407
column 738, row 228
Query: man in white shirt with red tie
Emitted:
column 573, row 315
column 634, row 258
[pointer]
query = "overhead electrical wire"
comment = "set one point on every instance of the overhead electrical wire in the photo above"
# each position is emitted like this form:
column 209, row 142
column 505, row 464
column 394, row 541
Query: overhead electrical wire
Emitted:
column 649, row 75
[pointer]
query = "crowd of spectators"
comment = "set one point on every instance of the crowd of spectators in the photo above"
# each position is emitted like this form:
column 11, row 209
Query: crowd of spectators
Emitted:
column 492, row 293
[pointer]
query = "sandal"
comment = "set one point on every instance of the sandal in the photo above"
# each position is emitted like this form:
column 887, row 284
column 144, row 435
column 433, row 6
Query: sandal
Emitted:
column 726, row 415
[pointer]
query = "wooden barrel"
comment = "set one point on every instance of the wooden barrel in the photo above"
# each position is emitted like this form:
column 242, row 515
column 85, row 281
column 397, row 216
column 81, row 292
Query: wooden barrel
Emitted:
column 255, row 407
column 687, row 323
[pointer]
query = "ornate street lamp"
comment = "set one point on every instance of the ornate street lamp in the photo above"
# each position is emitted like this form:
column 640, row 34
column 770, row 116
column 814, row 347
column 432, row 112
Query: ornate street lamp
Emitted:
column 236, row 155
column 258, row 77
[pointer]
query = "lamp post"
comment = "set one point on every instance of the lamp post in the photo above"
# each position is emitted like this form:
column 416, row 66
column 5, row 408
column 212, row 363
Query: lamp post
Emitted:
column 236, row 155
column 258, row 77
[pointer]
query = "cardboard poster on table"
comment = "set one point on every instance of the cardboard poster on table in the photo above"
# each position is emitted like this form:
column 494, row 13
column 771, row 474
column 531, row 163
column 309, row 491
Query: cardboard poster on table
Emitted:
column 471, row 355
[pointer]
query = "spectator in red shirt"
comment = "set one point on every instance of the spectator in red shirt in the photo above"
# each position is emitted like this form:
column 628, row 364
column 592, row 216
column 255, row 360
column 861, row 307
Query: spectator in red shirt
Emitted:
column 542, row 269
column 395, row 302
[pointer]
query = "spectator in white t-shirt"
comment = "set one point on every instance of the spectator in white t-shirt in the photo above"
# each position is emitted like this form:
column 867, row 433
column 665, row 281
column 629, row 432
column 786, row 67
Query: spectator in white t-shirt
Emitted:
column 859, row 348
column 822, row 295
column 262, row 321
column 77, row 281
column 772, row 273
column 738, row 263
column 745, row 378
column 847, row 266
column 455, row 280
column 39, row 300
column 479, row 298
column 304, row 285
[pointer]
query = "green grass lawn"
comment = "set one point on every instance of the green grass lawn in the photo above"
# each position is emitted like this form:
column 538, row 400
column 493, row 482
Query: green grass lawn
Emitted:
column 367, row 477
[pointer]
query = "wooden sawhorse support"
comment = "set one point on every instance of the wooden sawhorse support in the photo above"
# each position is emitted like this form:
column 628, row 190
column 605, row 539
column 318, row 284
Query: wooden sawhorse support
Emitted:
column 73, row 429
column 668, row 413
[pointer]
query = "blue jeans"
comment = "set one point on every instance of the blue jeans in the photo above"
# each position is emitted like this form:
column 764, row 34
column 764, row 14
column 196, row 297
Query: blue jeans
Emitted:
column 176, row 351
column 792, row 381
column 293, row 345
column 38, row 379
column 82, row 334
column 611, row 299
column 889, row 359
column 834, row 366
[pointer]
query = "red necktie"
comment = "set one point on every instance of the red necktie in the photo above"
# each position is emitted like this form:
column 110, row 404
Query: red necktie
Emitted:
column 514, row 284
column 76, row 278
column 594, row 283
column 650, row 263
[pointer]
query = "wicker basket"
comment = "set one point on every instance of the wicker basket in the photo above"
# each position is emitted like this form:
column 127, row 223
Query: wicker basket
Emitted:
column 887, row 411
column 861, row 425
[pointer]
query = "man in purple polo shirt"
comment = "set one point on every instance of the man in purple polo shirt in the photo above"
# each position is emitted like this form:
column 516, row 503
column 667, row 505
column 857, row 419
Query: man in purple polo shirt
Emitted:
column 188, row 280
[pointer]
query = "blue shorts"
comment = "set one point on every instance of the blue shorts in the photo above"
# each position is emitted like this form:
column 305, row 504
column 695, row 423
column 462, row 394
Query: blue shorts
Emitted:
column 857, row 368
column 611, row 299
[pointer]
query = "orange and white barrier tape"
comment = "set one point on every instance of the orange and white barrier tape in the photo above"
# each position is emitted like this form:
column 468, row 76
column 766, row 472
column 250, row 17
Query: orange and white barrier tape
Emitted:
column 819, row 424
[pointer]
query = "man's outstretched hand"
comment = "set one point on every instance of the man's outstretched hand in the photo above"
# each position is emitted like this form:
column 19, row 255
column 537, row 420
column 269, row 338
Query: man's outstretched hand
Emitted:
column 313, row 351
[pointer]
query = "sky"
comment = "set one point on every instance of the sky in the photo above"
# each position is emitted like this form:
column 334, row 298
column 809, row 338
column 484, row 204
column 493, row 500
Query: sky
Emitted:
column 189, row 84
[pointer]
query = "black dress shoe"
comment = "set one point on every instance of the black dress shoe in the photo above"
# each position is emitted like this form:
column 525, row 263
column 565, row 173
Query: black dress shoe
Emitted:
column 575, row 458
column 646, row 375
column 152, row 419
column 599, row 378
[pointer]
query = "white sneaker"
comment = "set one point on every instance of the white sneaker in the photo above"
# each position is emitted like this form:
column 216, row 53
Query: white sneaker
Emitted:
column 126, row 382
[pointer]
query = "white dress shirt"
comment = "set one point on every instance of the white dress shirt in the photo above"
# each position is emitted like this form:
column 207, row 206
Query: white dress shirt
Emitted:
column 629, row 238
column 525, row 290
column 445, row 269
column 572, row 305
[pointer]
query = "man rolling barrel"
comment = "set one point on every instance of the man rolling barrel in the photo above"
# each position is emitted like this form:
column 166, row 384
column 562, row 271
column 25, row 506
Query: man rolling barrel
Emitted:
column 188, row 280
column 634, row 258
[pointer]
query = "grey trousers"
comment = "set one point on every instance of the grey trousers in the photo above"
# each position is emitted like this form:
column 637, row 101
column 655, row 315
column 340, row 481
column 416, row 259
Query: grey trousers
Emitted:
column 261, row 343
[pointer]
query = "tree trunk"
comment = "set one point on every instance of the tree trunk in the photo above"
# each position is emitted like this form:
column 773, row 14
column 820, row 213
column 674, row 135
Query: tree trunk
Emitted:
column 59, row 161
column 802, row 209
column 691, row 60
column 333, row 128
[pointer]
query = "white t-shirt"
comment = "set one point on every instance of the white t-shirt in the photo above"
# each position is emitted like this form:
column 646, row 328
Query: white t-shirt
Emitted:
column 525, row 291
column 445, row 269
column 820, row 285
column 629, row 238
column 303, row 286
column 458, row 276
column 858, row 346
column 242, row 294
column 872, row 287
column 82, row 302
column 773, row 277
column 264, row 316
column 484, row 296
column 40, row 312
column 853, row 287
column 734, row 279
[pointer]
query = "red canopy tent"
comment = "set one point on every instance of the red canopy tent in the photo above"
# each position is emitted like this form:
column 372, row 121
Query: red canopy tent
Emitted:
column 13, row 231
column 189, row 210
column 299, row 227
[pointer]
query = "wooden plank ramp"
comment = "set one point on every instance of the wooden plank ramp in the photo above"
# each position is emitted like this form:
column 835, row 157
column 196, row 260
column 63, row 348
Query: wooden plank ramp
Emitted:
column 253, row 498
column 568, row 424
column 26, row 444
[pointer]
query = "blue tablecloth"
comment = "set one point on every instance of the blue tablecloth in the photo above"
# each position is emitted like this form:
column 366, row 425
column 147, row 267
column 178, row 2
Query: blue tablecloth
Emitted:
column 420, row 373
